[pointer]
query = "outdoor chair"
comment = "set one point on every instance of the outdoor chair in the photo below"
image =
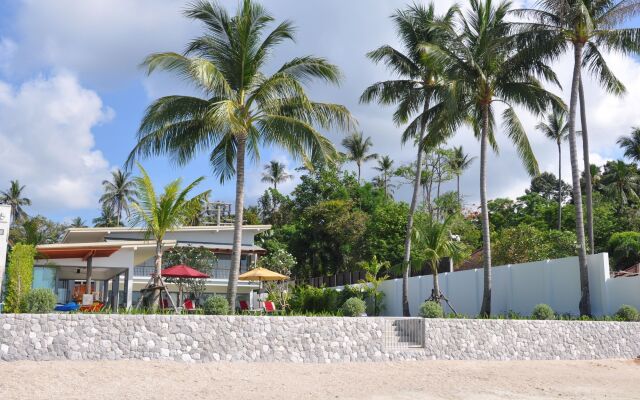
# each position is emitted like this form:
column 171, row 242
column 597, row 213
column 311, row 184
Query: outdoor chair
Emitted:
column 269, row 307
column 189, row 306
column 244, row 306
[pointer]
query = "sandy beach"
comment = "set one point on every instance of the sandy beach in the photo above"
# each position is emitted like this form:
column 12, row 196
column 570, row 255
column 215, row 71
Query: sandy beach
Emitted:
column 614, row 379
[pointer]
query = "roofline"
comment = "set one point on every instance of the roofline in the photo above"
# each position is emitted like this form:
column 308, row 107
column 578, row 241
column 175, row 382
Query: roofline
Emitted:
column 201, row 228
column 120, row 244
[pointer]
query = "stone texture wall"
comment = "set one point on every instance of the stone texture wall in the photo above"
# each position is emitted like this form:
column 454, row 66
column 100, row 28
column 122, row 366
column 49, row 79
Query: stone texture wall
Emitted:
column 300, row 339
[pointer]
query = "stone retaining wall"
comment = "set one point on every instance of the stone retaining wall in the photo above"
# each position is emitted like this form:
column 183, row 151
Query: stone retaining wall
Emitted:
column 301, row 339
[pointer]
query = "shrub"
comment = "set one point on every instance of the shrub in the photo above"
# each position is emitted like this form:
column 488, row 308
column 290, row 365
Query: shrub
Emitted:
column 19, row 275
column 38, row 301
column 628, row 313
column 216, row 305
column 624, row 248
column 431, row 309
column 314, row 300
column 353, row 307
column 543, row 311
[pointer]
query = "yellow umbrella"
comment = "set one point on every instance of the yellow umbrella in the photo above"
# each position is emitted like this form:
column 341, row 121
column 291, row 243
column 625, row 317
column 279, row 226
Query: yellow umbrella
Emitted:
column 262, row 274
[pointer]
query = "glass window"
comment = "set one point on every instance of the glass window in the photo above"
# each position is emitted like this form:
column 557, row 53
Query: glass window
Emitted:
column 44, row 277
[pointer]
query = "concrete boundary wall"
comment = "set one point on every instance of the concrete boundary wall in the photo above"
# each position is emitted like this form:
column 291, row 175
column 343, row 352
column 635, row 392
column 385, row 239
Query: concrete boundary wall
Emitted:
column 301, row 339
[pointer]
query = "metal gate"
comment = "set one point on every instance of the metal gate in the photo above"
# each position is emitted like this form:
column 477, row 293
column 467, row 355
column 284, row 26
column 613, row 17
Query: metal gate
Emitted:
column 403, row 333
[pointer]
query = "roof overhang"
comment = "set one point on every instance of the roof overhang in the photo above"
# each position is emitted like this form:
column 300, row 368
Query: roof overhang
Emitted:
column 98, row 249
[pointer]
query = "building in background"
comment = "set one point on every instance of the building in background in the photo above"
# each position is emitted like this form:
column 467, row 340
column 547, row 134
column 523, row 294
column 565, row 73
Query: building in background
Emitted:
column 5, row 224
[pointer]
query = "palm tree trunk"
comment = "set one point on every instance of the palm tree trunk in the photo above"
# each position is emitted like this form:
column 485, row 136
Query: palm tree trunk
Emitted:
column 119, row 214
column 155, row 299
column 559, row 185
column 585, row 303
column 406, row 259
column 458, row 191
column 232, row 287
column 436, row 284
column 358, row 173
column 587, row 168
column 485, row 309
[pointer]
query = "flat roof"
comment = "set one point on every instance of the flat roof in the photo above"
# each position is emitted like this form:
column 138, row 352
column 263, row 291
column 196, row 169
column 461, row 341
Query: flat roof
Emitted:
column 96, row 249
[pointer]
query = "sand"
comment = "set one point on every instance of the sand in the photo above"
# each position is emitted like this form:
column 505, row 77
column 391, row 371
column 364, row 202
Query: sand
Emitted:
column 116, row 380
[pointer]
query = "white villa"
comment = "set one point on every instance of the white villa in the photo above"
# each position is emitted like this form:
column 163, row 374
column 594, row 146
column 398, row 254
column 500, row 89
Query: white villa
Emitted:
column 122, row 258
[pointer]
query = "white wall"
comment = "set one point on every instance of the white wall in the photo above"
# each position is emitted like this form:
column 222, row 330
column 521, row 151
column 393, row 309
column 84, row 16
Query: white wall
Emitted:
column 520, row 287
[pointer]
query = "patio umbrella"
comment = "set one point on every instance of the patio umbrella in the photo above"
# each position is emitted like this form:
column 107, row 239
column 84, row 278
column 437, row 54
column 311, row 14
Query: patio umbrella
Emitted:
column 262, row 274
column 184, row 272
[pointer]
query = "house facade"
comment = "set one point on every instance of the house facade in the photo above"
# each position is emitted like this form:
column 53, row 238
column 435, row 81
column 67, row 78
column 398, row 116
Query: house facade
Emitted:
column 118, row 262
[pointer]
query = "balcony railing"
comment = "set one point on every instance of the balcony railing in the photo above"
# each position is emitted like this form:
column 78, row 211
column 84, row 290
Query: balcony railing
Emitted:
column 217, row 273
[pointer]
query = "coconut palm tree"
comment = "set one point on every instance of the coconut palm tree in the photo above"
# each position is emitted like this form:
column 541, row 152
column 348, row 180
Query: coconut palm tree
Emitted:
column 622, row 181
column 77, row 222
column 118, row 193
column 556, row 129
column 420, row 92
column 275, row 172
column 385, row 167
column 159, row 213
column 358, row 149
column 486, row 59
column 13, row 197
column 589, row 28
column 458, row 163
column 106, row 219
column 631, row 145
column 242, row 106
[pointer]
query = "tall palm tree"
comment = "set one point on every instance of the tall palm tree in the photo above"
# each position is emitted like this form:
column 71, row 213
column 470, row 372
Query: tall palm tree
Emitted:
column 385, row 167
column 118, row 193
column 589, row 28
column 485, row 58
column 556, row 129
column 106, row 219
column 420, row 93
column 275, row 172
column 358, row 149
column 13, row 197
column 159, row 213
column 622, row 181
column 242, row 107
column 77, row 222
column 631, row 145
column 458, row 163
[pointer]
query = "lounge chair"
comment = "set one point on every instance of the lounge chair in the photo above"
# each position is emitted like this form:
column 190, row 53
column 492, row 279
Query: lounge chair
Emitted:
column 244, row 306
column 269, row 307
column 189, row 306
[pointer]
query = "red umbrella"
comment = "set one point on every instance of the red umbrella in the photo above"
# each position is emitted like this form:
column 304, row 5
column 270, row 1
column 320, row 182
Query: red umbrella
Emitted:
column 182, row 271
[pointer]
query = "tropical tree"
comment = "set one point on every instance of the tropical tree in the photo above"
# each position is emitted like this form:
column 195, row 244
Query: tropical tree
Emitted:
column 106, row 219
column 275, row 172
column 485, row 57
column 118, row 193
column 590, row 28
column 420, row 92
column 372, row 281
column 358, row 149
column 631, row 145
column 385, row 167
column 622, row 181
column 242, row 107
column 77, row 222
column 556, row 129
column 458, row 163
column 14, row 197
column 159, row 213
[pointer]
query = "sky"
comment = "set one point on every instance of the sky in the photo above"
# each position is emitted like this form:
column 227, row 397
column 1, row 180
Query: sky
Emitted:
column 72, row 95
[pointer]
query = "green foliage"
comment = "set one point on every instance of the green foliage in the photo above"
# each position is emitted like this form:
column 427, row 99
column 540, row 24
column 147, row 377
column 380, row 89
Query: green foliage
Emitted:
column 198, row 258
column 36, row 230
column 371, row 284
column 216, row 305
column 526, row 243
column 628, row 313
column 431, row 309
column 38, row 301
column 353, row 307
column 279, row 260
column 624, row 249
column 19, row 275
column 315, row 300
column 543, row 311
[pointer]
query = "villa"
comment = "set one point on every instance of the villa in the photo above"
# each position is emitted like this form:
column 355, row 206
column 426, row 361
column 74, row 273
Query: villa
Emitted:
column 123, row 258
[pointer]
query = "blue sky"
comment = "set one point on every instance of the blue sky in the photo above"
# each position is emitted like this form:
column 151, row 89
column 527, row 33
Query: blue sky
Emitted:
column 72, row 95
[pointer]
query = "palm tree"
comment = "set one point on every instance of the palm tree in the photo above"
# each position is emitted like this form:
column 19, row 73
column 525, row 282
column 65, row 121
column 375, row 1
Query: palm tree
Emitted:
column 622, row 181
column 77, row 222
column 106, row 219
column 589, row 28
column 421, row 95
column 275, row 172
column 242, row 107
column 385, row 167
column 485, row 58
column 556, row 129
column 358, row 149
column 159, row 213
column 118, row 193
column 631, row 145
column 13, row 197
column 458, row 163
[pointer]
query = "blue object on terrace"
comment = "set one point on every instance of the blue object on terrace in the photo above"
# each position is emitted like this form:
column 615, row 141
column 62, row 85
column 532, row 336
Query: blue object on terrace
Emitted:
column 70, row 306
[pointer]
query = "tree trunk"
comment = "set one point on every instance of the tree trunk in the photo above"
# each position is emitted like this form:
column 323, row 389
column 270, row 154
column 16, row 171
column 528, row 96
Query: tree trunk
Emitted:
column 485, row 309
column 119, row 214
column 458, row 191
column 559, row 185
column 232, row 287
column 155, row 299
column 585, row 303
column 436, row 284
column 587, row 168
column 358, row 173
column 406, row 259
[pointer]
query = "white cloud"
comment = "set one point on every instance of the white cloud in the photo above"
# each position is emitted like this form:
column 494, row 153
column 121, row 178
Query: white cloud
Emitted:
column 46, row 141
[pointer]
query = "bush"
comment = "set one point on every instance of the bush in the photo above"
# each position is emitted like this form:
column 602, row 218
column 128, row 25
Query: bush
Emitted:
column 353, row 307
column 216, row 305
column 19, row 275
column 306, row 299
column 624, row 248
column 38, row 301
column 543, row 311
column 431, row 309
column 628, row 313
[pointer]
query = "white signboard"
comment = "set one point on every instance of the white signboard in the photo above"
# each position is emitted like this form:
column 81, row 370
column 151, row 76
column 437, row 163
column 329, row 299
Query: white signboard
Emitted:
column 5, row 222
